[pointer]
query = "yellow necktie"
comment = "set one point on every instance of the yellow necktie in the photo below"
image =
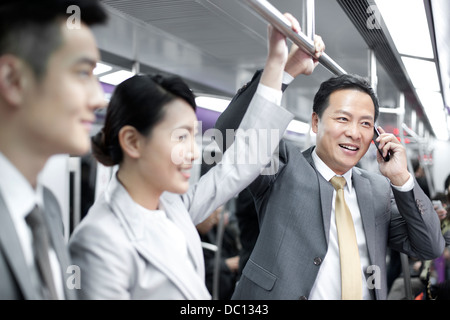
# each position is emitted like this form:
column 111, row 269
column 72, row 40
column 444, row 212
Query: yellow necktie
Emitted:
column 351, row 282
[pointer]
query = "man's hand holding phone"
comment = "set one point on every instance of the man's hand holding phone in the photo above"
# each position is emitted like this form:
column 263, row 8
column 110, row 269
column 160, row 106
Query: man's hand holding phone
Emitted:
column 395, row 168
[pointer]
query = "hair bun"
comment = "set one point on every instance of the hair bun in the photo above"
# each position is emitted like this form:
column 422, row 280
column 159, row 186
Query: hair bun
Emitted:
column 100, row 150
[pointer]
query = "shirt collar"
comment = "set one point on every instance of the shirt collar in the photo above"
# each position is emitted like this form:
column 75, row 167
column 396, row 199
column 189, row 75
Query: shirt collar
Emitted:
column 17, row 192
column 327, row 173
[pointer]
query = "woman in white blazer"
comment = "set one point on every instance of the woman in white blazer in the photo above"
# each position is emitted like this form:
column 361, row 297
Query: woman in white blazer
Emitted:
column 139, row 240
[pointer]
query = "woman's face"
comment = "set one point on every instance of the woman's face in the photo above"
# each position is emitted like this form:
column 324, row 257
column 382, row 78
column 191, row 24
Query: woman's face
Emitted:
column 170, row 149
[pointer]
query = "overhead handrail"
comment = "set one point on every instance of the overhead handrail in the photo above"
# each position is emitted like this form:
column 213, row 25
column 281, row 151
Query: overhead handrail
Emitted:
column 269, row 13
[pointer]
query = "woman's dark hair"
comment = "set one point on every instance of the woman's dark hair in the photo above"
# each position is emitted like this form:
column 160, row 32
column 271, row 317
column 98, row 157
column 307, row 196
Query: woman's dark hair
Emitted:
column 346, row 81
column 138, row 102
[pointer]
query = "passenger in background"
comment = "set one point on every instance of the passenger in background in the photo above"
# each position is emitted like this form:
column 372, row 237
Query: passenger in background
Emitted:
column 435, row 272
column 419, row 174
column 139, row 239
column 447, row 189
column 429, row 279
column 48, row 95
column 228, row 265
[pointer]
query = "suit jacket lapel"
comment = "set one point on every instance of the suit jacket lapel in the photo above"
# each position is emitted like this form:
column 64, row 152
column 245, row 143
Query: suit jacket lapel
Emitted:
column 12, row 249
column 164, row 260
column 363, row 190
column 326, row 194
column 173, row 212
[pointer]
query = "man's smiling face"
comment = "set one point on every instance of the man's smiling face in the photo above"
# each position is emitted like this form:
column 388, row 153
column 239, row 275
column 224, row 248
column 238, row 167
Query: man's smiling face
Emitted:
column 345, row 130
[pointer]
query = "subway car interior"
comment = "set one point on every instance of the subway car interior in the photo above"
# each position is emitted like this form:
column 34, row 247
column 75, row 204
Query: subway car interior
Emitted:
column 401, row 46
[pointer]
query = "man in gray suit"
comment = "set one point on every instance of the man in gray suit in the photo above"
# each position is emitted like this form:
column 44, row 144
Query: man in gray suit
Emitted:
column 297, row 254
column 48, row 95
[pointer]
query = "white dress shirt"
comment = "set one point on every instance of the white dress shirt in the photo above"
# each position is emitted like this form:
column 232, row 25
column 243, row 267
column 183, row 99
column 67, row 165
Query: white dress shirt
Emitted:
column 20, row 198
column 328, row 282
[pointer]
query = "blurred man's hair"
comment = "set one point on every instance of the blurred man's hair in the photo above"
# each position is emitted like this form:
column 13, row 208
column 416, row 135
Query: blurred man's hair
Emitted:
column 31, row 30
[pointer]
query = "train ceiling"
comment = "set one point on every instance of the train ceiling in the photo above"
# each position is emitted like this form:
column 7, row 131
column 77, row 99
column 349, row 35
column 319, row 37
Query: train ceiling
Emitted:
column 216, row 45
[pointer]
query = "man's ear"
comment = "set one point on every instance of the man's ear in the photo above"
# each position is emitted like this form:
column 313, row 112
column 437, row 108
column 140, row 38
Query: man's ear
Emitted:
column 129, row 140
column 315, row 122
column 12, row 79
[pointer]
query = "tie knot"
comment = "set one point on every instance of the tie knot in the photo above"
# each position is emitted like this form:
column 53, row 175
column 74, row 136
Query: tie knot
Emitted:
column 34, row 218
column 338, row 182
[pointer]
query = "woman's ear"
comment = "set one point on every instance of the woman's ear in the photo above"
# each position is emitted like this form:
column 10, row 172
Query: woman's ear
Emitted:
column 129, row 140
column 12, row 79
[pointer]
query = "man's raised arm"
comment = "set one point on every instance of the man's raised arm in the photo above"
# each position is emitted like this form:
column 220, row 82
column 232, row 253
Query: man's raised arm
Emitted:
column 297, row 63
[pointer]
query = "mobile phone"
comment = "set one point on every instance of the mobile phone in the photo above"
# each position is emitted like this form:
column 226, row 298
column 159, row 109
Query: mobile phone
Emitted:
column 437, row 204
column 376, row 134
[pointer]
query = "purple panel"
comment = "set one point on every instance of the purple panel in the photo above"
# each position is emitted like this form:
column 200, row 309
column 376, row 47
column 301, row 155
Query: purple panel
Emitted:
column 107, row 88
column 207, row 117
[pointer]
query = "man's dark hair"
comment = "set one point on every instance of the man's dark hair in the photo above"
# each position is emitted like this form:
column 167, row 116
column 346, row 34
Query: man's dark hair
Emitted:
column 346, row 81
column 31, row 30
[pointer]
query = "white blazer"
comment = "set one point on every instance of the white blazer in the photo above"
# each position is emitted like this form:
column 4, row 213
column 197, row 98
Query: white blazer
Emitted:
column 127, row 252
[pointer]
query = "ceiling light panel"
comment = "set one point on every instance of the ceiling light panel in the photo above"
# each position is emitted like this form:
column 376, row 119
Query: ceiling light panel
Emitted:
column 434, row 108
column 116, row 77
column 212, row 103
column 407, row 24
column 423, row 73
column 101, row 68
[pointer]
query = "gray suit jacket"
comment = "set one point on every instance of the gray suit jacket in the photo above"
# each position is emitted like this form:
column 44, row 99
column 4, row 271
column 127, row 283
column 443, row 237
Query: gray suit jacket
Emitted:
column 16, row 281
column 294, row 209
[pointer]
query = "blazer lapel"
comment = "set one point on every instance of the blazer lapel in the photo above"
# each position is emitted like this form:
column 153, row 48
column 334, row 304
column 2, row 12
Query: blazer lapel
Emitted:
column 363, row 190
column 174, row 213
column 326, row 194
column 14, row 254
column 164, row 260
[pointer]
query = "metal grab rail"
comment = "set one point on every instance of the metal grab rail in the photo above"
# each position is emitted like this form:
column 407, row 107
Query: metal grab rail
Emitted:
column 277, row 19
